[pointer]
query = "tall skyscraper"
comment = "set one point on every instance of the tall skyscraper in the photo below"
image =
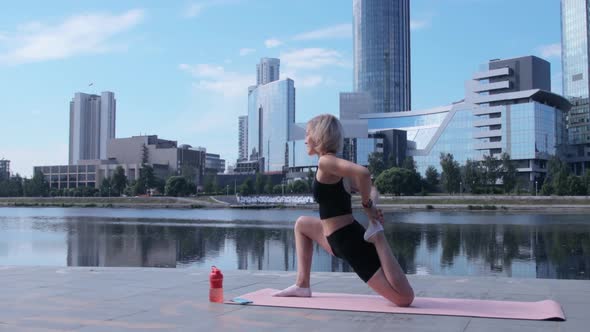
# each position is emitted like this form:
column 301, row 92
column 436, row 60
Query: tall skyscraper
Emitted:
column 243, row 138
column 381, row 42
column 575, row 29
column 271, row 113
column 92, row 125
column 574, row 45
column 267, row 70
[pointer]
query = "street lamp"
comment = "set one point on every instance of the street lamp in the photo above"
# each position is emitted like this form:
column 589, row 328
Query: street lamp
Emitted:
column 536, row 191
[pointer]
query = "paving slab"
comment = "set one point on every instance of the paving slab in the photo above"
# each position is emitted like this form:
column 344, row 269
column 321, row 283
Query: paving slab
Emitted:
column 152, row 299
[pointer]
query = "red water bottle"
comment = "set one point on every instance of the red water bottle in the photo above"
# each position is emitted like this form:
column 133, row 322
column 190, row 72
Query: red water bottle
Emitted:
column 216, row 285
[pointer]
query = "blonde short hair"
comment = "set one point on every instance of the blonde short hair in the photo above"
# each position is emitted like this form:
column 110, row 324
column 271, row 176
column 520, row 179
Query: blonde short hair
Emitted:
column 326, row 132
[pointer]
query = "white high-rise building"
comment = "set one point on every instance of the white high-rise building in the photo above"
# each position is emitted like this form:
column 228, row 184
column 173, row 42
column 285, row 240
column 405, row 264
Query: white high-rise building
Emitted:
column 92, row 125
column 243, row 138
column 267, row 70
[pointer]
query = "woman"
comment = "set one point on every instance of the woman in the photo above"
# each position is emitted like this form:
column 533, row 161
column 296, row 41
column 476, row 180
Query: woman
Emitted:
column 367, row 252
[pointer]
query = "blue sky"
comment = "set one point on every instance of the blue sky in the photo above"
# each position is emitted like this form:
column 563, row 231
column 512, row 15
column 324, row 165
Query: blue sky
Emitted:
column 181, row 69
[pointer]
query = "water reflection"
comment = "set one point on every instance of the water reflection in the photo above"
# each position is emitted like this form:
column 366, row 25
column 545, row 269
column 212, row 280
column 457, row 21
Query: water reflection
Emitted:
column 542, row 251
column 542, row 246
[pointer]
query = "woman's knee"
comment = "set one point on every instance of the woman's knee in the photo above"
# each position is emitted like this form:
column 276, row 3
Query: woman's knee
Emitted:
column 301, row 224
column 405, row 300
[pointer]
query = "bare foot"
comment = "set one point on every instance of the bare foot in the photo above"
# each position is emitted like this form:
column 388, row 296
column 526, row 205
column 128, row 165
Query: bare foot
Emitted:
column 373, row 228
column 295, row 291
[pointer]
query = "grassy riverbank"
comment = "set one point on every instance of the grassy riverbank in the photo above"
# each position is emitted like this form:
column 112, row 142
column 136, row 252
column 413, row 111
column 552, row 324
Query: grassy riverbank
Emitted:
column 388, row 203
column 112, row 202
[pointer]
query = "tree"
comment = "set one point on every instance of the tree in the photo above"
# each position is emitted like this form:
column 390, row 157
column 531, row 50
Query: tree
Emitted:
column 300, row 187
column 277, row 189
column 586, row 181
column 119, row 180
column 576, row 186
column 376, row 163
column 473, row 176
column 398, row 181
column 451, row 173
column 177, row 186
column 491, row 171
column 247, row 188
column 547, row 189
column 106, row 188
column 557, row 175
column 146, row 180
column 431, row 179
column 208, row 187
column 11, row 187
column 409, row 164
column 259, row 184
column 268, row 187
column 37, row 186
column 509, row 173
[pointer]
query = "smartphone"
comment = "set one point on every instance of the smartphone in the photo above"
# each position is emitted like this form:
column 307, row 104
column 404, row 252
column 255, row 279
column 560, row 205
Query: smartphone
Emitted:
column 240, row 300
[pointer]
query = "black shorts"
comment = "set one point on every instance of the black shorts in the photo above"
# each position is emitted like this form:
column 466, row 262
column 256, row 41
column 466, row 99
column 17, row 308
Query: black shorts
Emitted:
column 348, row 243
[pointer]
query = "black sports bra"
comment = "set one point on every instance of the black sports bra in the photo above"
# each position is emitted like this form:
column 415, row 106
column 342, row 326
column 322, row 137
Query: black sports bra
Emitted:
column 333, row 198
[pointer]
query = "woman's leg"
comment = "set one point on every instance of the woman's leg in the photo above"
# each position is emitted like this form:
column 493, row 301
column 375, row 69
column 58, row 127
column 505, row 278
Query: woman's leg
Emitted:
column 307, row 230
column 390, row 281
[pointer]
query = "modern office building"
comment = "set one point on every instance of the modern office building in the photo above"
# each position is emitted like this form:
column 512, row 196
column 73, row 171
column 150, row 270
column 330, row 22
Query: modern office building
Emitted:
column 243, row 138
column 214, row 164
column 575, row 27
column 164, row 156
column 506, row 109
column 267, row 70
column 271, row 111
column 4, row 169
column 88, row 173
column 92, row 125
column 381, row 45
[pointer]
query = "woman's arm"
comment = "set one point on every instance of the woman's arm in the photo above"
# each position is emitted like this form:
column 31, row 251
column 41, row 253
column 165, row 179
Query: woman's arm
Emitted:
column 361, row 180
column 360, row 176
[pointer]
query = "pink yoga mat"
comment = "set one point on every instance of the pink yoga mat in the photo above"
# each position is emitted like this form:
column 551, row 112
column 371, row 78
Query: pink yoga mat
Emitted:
column 541, row 310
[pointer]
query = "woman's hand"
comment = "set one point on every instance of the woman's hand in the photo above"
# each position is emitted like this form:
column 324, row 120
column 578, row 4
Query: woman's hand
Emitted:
column 374, row 214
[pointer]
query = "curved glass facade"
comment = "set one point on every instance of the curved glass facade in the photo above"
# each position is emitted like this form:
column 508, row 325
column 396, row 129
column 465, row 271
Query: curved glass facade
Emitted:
column 381, row 42
column 526, row 131
column 271, row 110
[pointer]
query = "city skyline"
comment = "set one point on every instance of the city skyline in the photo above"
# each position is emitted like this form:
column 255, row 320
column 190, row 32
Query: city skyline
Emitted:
column 167, row 70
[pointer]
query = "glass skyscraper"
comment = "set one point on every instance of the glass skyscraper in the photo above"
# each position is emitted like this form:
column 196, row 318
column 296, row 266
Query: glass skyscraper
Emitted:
column 381, row 42
column 575, row 30
column 574, row 45
column 271, row 112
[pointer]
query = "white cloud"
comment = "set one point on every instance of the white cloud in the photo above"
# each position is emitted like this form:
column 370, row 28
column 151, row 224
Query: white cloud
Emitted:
column 215, row 79
column 272, row 43
column 246, row 51
column 303, row 80
column 419, row 24
column 77, row 35
column 550, row 51
column 312, row 58
column 194, row 9
column 336, row 31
